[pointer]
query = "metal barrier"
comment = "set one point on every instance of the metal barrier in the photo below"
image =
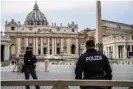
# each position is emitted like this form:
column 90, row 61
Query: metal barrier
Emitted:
column 63, row 84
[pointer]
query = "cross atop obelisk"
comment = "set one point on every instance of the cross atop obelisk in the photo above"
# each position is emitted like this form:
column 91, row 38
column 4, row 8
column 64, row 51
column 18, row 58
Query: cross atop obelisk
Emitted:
column 98, row 36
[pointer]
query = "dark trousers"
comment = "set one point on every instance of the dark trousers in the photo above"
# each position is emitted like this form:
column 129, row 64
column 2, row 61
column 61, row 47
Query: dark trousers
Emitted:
column 27, row 73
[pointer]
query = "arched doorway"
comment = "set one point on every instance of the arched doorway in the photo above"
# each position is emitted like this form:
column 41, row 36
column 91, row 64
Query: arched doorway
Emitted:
column 2, row 52
column 58, row 50
column 73, row 49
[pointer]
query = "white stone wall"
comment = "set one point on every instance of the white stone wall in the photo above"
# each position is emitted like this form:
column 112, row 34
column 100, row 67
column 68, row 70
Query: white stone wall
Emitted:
column 112, row 42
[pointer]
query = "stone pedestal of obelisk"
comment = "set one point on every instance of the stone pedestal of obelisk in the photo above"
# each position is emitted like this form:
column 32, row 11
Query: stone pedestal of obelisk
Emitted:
column 99, row 33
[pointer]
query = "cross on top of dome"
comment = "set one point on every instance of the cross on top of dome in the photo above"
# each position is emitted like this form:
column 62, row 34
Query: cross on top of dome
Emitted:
column 36, row 6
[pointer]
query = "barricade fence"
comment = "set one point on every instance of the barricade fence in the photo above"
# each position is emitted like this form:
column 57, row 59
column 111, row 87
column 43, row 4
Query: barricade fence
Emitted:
column 64, row 84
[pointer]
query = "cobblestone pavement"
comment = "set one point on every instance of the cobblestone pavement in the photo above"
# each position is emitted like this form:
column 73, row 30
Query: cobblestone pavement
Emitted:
column 121, row 71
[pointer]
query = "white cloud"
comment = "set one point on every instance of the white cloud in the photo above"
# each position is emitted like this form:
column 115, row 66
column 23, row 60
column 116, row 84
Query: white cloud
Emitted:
column 47, row 5
column 81, row 10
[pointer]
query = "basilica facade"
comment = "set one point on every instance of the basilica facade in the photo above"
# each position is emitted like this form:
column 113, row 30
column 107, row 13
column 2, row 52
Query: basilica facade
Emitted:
column 44, row 38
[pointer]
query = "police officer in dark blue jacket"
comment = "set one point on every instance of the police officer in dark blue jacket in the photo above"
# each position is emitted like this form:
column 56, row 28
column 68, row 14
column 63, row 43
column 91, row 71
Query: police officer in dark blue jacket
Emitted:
column 93, row 65
column 29, row 65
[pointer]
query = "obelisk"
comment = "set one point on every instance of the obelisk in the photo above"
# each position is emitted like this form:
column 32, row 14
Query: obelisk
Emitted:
column 98, row 36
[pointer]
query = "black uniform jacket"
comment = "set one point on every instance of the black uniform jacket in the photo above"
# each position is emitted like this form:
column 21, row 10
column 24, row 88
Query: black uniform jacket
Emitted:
column 93, row 64
column 29, row 60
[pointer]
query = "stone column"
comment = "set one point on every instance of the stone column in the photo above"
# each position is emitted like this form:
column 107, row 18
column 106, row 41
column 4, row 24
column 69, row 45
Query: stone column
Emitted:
column 107, row 52
column 68, row 46
column 18, row 46
column 52, row 46
column 104, row 50
column 77, row 46
column 55, row 46
column 5, row 52
column 117, row 53
column 130, row 47
column 8, row 52
column 114, row 52
column 41, row 46
column 98, row 24
column 48, row 47
column 125, row 52
column 36, row 46
column 62, row 45
column 26, row 42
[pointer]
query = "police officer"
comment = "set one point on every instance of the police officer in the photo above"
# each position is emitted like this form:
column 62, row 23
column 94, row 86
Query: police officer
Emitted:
column 29, row 65
column 94, row 65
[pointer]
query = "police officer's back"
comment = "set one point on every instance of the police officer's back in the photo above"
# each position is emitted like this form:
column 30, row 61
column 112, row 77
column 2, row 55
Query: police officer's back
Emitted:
column 93, row 64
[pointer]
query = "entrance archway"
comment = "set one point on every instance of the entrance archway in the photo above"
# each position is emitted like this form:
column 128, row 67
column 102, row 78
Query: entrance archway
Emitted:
column 58, row 50
column 2, row 52
column 73, row 49
column 44, row 50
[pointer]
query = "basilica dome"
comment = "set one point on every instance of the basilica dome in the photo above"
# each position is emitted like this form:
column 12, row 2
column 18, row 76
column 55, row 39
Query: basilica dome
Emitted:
column 36, row 17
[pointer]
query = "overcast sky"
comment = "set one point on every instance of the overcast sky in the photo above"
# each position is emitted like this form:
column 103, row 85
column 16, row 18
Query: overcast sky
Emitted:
column 82, row 12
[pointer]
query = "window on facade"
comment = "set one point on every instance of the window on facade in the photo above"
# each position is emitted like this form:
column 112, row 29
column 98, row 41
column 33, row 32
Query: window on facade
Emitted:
column 12, row 28
column 22, row 41
column 118, row 26
column 38, row 23
column 50, row 29
column 44, row 50
column 58, row 50
column 22, row 28
column 30, row 28
column 50, row 51
column 22, row 47
column 58, row 44
column 30, row 44
column 72, row 29
column 39, row 52
column 128, row 48
column 58, row 29
column 73, row 49
column 38, row 29
column 31, row 23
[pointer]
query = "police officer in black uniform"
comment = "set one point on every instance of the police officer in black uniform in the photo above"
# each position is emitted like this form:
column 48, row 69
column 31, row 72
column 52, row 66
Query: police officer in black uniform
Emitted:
column 29, row 65
column 93, row 65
